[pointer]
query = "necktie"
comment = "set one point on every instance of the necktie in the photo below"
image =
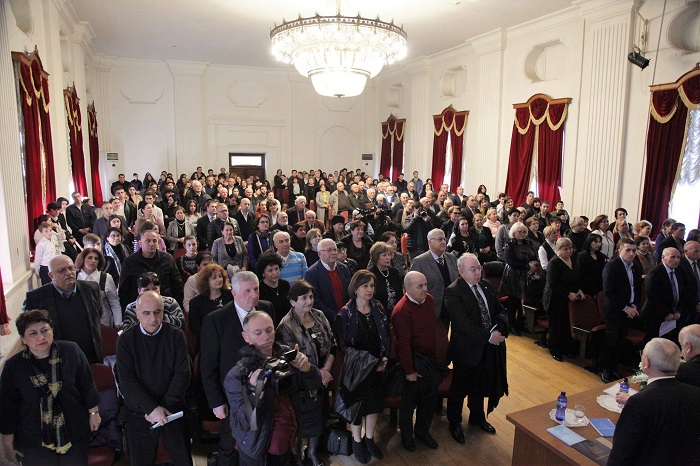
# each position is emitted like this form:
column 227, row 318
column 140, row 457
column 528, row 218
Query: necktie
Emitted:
column 441, row 261
column 485, row 316
column 697, row 276
column 674, row 287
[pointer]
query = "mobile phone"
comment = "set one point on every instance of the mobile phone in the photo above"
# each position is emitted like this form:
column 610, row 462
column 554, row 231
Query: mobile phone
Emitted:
column 290, row 355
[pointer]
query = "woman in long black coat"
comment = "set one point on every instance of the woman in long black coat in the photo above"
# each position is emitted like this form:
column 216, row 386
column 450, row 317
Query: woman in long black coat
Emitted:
column 563, row 286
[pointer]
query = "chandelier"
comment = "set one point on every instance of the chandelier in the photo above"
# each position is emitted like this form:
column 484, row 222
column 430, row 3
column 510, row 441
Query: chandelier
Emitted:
column 338, row 53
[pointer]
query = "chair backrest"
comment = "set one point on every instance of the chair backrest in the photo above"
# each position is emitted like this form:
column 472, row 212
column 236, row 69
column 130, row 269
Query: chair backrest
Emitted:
column 584, row 314
column 179, row 253
column 103, row 377
column 441, row 342
column 312, row 205
column 109, row 340
column 285, row 196
column 190, row 337
column 404, row 243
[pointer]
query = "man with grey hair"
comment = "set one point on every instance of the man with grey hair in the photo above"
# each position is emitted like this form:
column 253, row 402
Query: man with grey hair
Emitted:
column 330, row 279
column 221, row 339
column 659, row 425
column 293, row 263
column 667, row 297
column 438, row 267
column 689, row 338
column 577, row 233
column 296, row 213
column 197, row 195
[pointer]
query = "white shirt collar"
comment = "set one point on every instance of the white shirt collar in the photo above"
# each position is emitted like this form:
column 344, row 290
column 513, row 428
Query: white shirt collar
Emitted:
column 143, row 330
column 413, row 300
column 328, row 267
column 654, row 379
column 241, row 312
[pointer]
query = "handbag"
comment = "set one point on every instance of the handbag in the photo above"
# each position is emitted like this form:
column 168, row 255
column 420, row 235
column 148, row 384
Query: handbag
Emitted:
column 347, row 413
column 339, row 442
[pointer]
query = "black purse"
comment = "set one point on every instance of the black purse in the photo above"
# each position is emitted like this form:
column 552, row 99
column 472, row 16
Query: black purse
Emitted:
column 339, row 442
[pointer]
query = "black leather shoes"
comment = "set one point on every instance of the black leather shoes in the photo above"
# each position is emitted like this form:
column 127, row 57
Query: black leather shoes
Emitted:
column 515, row 331
column 607, row 376
column 557, row 357
column 429, row 441
column 408, row 443
column 485, row 426
column 457, row 433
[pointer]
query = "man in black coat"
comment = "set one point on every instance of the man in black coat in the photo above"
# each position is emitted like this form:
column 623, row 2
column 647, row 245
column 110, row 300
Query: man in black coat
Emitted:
column 622, row 287
column 689, row 338
column 690, row 269
column 477, row 347
column 149, row 259
column 75, row 306
column 666, row 296
column 203, row 222
column 221, row 339
column 674, row 240
column 80, row 217
column 659, row 424
column 245, row 218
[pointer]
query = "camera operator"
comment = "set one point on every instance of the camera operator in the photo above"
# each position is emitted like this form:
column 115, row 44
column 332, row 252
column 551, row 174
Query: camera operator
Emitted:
column 383, row 223
column 418, row 227
column 258, row 388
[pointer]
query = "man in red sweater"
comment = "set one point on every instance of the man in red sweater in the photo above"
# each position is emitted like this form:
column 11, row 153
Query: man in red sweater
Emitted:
column 414, row 324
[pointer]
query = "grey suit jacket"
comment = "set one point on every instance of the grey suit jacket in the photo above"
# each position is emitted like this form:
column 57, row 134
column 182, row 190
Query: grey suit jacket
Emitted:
column 428, row 266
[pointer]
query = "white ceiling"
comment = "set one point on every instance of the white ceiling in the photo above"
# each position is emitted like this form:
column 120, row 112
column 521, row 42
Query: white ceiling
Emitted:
column 236, row 32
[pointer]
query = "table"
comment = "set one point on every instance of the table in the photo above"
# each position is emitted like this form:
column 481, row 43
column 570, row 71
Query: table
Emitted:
column 533, row 445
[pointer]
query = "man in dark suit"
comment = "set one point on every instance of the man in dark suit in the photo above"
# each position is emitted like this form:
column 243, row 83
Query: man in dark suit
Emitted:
column 75, row 307
column 438, row 267
column 296, row 214
column 245, row 219
column 470, row 210
column 221, row 339
column 216, row 226
column 102, row 224
column 659, row 424
column 690, row 270
column 311, row 222
column 330, row 280
column 477, row 347
column 674, row 240
column 689, row 338
column 622, row 285
column 666, row 300
column 80, row 217
column 203, row 222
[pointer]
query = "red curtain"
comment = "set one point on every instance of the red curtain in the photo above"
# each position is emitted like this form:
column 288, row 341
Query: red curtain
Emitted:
column 391, row 163
column 397, row 159
column 520, row 159
column 453, row 124
column 94, row 155
column 4, row 318
column 75, row 129
column 666, row 142
column 527, row 127
column 385, row 162
column 40, row 179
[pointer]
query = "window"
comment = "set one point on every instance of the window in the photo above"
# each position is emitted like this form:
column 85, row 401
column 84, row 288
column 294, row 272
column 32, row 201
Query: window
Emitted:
column 684, row 205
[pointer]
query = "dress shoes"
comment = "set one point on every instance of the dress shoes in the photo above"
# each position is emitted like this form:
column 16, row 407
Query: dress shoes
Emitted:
column 485, row 426
column 408, row 443
column 557, row 357
column 428, row 439
column 515, row 331
column 457, row 433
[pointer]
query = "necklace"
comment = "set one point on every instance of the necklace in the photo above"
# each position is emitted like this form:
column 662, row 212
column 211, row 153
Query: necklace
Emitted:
column 387, row 273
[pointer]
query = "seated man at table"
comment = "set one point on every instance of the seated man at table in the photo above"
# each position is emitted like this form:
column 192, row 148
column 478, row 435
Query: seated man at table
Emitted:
column 659, row 424
column 689, row 338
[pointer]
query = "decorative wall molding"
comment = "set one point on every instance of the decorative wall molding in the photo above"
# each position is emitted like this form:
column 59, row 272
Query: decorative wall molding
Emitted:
column 141, row 90
column 536, row 64
column 453, row 82
column 246, row 94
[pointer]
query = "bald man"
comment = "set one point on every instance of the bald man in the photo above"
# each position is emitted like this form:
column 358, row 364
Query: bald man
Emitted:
column 666, row 297
column 154, row 372
column 690, row 267
column 415, row 325
column 659, row 424
column 689, row 338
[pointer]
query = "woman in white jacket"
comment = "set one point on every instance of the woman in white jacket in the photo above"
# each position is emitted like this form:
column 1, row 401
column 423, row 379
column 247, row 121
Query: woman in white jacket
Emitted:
column 90, row 264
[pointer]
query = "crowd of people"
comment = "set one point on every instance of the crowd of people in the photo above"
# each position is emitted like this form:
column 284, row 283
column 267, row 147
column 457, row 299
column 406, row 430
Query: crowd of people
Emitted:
column 276, row 283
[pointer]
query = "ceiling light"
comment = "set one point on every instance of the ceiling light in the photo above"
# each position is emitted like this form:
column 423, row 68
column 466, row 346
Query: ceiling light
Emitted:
column 338, row 53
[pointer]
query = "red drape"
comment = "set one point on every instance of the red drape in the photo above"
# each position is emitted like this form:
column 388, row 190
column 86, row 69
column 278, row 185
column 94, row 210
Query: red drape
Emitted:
column 40, row 180
column 520, row 159
column 452, row 124
column 75, row 128
column 543, row 119
column 666, row 142
column 94, row 155
column 4, row 318
column 385, row 161
column 397, row 159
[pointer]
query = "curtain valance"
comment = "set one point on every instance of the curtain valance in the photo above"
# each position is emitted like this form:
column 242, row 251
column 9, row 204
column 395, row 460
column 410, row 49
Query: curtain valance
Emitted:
column 450, row 120
column 665, row 98
column 540, row 108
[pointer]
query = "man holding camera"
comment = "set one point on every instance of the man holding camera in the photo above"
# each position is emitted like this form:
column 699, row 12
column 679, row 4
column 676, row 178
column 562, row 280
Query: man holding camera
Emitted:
column 418, row 227
column 263, row 419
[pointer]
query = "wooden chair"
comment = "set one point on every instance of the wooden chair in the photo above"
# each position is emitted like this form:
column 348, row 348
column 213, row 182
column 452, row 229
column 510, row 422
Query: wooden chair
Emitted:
column 586, row 325
column 109, row 340
column 104, row 453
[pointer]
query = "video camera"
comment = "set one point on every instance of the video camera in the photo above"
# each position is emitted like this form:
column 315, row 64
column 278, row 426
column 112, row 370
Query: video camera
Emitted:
column 277, row 372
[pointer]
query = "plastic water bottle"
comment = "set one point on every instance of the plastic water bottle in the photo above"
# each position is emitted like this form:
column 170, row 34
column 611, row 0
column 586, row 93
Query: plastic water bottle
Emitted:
column 561, row 407
column 624, row 386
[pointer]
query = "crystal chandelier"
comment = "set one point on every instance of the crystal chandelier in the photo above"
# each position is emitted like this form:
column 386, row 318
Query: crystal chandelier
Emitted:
column 338, row 53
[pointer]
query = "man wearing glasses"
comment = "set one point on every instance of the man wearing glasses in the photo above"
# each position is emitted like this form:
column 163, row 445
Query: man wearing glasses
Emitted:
column 330, row 280
column 439, row 268
column 74, row 306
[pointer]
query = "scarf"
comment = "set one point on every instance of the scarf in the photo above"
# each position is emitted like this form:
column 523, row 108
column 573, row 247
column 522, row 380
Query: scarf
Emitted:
column 54, row 435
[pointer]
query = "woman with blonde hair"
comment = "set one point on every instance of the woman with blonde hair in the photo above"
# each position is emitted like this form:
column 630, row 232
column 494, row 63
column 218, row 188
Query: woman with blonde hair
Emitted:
column 214, row 290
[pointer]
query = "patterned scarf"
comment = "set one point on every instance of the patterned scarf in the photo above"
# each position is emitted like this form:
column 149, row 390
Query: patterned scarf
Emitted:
column 53, row 425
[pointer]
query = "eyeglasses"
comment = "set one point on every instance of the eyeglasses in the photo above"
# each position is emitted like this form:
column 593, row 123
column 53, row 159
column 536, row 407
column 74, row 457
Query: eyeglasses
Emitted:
column 441, row 239
column 475, row 269
column 328, row 250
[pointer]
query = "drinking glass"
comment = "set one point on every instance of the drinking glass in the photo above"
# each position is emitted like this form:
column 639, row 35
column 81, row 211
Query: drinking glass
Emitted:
column 579, row 413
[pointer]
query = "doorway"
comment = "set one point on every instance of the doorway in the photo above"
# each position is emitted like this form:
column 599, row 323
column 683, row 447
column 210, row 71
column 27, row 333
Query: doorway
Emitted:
column 246, row 164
